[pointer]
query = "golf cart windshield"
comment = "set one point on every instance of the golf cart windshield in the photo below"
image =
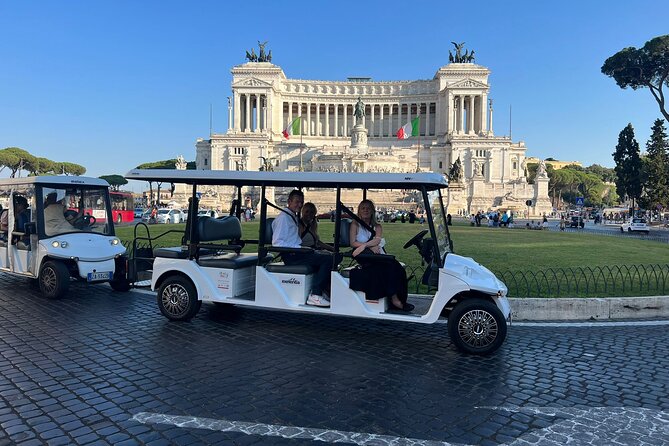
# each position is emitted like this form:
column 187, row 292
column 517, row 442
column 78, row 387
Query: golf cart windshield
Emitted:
column 438, row 217
column 74, row 209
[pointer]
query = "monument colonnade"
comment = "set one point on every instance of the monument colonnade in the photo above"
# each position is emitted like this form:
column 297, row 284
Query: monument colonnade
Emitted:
column 465, row 114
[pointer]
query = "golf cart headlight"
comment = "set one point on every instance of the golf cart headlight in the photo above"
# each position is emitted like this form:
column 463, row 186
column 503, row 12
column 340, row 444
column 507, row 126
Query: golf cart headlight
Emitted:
column 114, row 241
column 57, row 244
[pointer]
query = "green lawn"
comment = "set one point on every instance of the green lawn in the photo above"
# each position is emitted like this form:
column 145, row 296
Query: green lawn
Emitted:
column 587, row 264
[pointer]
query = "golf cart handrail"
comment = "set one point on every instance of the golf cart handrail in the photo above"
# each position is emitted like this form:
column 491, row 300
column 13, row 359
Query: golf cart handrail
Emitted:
column 431, row 181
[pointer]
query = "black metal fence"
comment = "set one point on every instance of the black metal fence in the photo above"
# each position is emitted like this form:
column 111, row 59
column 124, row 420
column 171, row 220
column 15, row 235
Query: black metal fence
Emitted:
column 600, row 281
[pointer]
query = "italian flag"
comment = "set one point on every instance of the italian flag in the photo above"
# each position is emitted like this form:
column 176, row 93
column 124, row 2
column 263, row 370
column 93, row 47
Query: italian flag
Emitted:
column 293, row 128
column 409, row 129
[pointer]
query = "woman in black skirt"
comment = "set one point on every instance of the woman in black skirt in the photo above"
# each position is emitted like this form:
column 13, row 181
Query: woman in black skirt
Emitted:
column 376, row 279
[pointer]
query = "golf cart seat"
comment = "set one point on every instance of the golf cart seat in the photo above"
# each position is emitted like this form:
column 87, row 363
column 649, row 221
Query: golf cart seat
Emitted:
column 280, row 267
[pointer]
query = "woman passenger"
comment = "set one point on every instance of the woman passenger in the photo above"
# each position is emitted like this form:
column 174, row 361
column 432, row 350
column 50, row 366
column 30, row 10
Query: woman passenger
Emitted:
column 309, row 229
column 376, row 279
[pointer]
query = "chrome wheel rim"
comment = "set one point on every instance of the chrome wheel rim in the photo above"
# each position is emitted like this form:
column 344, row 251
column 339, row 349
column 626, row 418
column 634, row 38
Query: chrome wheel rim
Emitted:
column 49, row 280
column 175, row 299
column 478, row 328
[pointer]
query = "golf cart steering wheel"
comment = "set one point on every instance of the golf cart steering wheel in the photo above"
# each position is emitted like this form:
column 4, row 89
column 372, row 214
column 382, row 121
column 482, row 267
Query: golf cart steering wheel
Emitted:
column 79, row 221
column 415, row 240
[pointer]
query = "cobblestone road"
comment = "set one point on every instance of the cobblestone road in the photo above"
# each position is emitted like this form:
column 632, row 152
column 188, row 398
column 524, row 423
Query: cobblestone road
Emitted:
column 100, row 367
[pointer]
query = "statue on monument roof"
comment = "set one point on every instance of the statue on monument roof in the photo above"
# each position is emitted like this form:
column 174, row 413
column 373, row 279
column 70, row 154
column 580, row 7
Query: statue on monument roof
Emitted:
column 263, row 57
column 459, row 57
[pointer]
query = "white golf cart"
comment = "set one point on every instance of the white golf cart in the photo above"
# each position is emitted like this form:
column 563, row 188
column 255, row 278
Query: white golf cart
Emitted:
column 59, row 227
column 209, row 265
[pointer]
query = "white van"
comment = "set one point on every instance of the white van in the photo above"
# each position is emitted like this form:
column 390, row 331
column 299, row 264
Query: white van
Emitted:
column 210, row 267
column 56, row 228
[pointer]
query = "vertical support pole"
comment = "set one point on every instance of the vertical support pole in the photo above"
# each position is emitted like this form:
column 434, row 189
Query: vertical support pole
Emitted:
column 337, row 229
column 262, row 252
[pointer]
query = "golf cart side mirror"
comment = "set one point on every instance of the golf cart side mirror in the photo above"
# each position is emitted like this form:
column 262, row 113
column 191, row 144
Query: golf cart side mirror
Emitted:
column 30, row 228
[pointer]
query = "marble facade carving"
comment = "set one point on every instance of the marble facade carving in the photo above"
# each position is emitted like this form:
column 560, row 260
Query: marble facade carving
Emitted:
column 456, row 122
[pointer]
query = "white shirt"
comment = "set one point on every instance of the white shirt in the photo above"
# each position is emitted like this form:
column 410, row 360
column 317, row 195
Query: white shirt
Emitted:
column 285, row 232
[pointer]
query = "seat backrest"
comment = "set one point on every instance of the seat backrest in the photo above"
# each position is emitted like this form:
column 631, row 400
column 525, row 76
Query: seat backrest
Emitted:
column 268, row 232
column 345, row 232
column 225, row 228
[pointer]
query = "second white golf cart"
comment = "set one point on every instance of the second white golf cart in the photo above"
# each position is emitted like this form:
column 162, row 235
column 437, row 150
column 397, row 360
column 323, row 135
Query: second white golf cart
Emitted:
column 210, row 266
column 58, row 228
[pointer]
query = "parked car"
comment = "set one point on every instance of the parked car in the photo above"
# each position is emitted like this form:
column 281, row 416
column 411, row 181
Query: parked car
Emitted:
column 576, row 222
column 139, row 212
column 168, row 216
column 184, row 215
column 207, row 213
column 635, row 224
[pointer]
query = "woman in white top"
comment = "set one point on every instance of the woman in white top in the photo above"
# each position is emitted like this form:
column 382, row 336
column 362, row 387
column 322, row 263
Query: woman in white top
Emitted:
column 376, row 279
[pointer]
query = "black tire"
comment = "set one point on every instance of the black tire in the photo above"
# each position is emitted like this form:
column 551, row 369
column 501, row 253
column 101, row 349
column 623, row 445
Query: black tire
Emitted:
column 121, row 285
column 477, row 326
column 622, row 230
column 629, row 230
column 177, row 299
column 54, row 279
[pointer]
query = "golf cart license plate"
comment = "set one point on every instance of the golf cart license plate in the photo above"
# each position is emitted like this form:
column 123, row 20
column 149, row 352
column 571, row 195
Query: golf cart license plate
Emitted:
column 106, row 275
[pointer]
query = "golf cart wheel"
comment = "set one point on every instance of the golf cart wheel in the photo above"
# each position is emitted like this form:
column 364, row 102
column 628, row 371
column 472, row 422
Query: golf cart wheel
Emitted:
column 54, row 279
column 477, row 326
column 177, row 299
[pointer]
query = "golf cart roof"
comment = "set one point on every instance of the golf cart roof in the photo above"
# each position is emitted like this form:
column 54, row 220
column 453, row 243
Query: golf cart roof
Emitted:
column 431, row 181
column 60, row 179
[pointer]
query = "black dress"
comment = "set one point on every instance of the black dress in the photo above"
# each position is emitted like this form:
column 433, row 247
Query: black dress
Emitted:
column 379, row 279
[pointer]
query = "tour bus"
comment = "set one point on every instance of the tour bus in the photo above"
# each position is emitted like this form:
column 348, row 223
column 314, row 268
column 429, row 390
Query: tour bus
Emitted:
column 50, row 233
column 210, row 266
column 123, row 207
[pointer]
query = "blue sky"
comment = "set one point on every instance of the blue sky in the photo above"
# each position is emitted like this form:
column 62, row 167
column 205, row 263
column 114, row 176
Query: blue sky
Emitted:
column 110, row 85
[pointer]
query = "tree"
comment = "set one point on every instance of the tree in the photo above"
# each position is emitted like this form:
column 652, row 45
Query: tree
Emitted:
column 70, row 168
column 646, row 67
column 606, row 174
column 8, row 159
column 656, row 184
column 165, row 164
column 115, row 181
column 628, row 165
column 18, row 159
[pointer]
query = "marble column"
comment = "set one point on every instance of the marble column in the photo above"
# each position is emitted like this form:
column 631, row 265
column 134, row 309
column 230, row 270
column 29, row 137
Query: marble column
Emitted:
column 327, row 120
column 237, row 108
column 471, row 115
column 318, row 119
column 390, row 119
column 381, row 121
column 256, row 129
column 345, row 120
column 247, row 114
column 336, row 120
column 308, row 132
column 483, row 113
column 427, row 119
column 370, row 129
column 461, row 128
column 290, row 114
